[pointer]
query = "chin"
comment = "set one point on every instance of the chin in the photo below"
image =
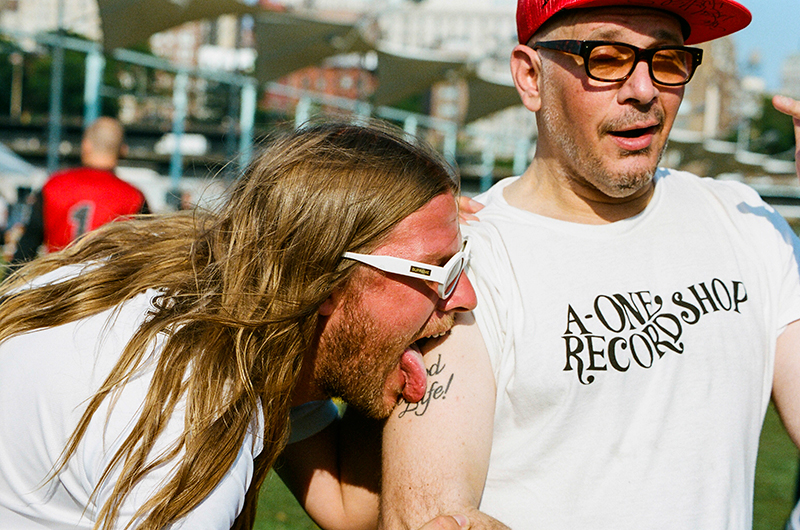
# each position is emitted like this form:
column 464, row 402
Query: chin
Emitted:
column 379, row 411
column 629, row 181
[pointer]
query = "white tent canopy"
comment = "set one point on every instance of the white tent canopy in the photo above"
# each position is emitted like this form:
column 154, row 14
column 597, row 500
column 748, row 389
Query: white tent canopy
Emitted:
column 403, row 75
column 288, row 42
column 489, row 94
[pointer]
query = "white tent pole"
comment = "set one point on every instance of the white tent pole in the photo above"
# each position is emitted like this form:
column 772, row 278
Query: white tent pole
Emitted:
column 521, row 154
column 363, row 112
column 247, row 118
column 180, row 100
column 451, row 144
column 487, row 166
column 56, row 90
column 410, row 127
column 95, row 64
column 302, row 112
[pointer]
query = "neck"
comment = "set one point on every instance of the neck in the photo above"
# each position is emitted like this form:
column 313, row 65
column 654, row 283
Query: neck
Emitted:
column 99, row 162
column 306, row 388
column 548, row 190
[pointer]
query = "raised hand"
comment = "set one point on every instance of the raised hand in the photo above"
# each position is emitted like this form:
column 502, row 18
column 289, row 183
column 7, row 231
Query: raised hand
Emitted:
column 791, row 107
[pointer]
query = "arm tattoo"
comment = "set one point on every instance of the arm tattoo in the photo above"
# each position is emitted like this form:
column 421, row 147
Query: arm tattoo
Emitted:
column 437, row 389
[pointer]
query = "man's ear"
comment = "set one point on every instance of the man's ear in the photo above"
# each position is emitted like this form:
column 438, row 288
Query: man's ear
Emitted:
column 86, row 148
column 526, row 69
column 332, row 302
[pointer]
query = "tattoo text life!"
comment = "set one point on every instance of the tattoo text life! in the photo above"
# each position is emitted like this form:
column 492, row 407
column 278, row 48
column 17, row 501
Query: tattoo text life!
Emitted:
column 437, row 390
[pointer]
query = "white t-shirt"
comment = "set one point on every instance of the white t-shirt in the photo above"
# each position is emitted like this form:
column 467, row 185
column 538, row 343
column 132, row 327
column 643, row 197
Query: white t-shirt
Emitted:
column 633, row 360
column 46, row 380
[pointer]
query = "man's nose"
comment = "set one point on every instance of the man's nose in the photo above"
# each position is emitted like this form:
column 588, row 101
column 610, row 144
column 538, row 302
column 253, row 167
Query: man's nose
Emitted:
column 463, row 297
column 639, row 87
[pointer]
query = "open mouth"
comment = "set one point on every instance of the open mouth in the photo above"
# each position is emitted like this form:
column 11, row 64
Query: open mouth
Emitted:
column 636, row 139
column 425, row 343
column 413, row 366
column 636, row 133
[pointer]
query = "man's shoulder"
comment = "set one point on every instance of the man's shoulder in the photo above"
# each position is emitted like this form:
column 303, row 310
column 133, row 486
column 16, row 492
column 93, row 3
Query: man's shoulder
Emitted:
column 94, row 176
column 80, row 171
column 721, row 188
column 494, row 195
column 67, row 177
column 735, row 205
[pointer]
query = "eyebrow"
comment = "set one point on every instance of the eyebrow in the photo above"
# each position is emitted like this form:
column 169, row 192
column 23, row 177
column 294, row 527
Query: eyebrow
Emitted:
column 440, row 259
column 666, row 35
column 436, row 259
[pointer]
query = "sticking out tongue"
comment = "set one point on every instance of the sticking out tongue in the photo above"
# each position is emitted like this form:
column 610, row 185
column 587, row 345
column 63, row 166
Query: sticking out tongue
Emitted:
column 413, row 368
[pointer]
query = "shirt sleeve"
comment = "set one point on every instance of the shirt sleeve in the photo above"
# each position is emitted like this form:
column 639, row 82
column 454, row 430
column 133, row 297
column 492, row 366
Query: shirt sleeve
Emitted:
column 217, row 511
column 310, row 418
column 493, row 279
column 776, row 246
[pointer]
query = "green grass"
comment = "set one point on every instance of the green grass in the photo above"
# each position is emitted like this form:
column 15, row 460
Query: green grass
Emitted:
column 776, row 476
column 279, row 510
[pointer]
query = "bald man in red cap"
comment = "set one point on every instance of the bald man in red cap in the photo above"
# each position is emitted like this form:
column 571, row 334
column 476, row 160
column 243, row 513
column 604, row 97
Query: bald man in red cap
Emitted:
column 633, row 322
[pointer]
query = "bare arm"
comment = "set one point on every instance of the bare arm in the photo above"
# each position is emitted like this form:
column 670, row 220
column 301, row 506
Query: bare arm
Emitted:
column 335, row 474
column 436, row 452
column 786, row 381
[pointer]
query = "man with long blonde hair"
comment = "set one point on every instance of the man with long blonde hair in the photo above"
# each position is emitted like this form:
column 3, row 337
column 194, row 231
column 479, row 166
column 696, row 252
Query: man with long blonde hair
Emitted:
column 148, row 371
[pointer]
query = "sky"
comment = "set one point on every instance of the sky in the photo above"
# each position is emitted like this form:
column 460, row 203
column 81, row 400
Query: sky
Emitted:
column 773, row 35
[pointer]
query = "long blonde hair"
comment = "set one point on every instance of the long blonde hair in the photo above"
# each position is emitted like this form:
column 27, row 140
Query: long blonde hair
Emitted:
column 240, row 290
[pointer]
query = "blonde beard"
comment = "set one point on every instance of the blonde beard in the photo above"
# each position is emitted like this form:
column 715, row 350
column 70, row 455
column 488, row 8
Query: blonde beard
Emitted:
column 351, row 362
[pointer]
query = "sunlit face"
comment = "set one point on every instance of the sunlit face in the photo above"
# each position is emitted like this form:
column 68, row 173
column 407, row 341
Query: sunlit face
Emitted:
column 367, row 353
column 607, row 138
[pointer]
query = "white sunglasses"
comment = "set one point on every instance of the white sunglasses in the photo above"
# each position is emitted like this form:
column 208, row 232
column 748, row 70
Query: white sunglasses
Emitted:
column 447, row 276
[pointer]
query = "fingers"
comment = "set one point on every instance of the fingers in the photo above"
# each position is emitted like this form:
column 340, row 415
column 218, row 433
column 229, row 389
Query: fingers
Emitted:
column 467, row 208
column 791, row 107
column 448, row 522
column 787, row 105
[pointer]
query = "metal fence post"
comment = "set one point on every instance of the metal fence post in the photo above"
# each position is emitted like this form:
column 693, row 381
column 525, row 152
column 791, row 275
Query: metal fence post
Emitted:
column 95, row 64
column 180, row 100
column 247, row 118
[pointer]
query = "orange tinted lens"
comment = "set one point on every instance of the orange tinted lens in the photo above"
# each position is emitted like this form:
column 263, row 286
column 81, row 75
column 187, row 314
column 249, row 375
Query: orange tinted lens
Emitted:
column 672, row 66
column 611, row 62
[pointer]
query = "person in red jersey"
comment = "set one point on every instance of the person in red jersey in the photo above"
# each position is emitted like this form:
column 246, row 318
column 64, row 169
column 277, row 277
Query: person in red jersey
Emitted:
column 75, row 201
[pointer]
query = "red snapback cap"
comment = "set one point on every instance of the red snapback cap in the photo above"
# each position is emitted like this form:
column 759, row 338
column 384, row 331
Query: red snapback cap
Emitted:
column 707, row 19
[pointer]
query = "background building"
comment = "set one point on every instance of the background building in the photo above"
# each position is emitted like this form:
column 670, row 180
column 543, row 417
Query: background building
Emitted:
column 31, row 16
column 790, row 76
